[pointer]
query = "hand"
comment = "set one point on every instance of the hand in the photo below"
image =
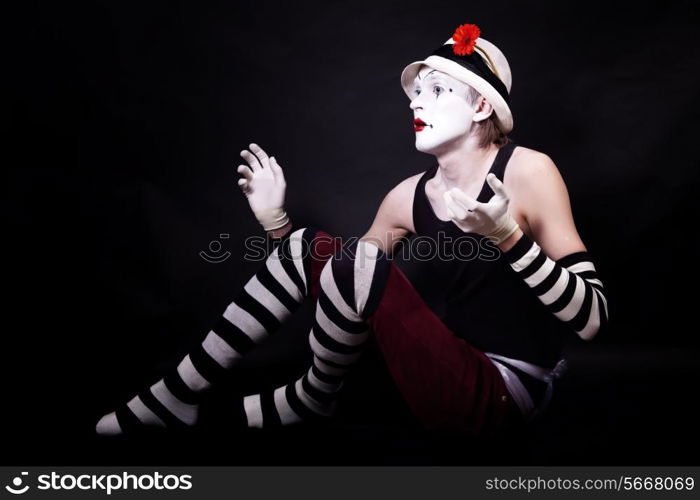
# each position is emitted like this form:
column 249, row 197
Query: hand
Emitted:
column 488, row 219
column 264, row 186
column 263, row 180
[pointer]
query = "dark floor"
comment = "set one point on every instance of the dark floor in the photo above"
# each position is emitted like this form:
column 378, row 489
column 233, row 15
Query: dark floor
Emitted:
column 616, row 406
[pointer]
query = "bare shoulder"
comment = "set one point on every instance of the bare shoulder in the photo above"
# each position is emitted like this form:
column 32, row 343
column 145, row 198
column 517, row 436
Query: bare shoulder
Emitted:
column 403, row 192
column 400, row 201
column 531, row 173
column 526, row 163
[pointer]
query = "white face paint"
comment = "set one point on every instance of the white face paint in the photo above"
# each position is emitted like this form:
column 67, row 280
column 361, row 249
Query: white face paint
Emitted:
column 440, row 102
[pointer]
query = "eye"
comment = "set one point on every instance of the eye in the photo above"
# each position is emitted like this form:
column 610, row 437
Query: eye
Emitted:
column 437, row 89
column 416, row 91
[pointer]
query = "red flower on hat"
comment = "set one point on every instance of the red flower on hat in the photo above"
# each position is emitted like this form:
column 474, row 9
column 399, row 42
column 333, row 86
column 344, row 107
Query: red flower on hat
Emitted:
column 465, row 38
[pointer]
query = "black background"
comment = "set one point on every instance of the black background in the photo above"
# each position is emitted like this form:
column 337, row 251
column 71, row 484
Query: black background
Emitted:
column 126, row 120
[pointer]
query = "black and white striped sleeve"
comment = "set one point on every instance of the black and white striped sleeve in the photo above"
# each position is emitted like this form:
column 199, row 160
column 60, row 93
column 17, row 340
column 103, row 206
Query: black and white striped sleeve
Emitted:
column 569, row 287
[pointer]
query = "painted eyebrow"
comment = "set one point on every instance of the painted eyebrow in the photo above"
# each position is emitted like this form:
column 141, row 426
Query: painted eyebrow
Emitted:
column 433, row 71
column 437, row 77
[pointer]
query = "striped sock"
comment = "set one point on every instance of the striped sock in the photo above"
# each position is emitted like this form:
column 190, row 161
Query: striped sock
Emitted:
column 351, row 287
column 289, row 275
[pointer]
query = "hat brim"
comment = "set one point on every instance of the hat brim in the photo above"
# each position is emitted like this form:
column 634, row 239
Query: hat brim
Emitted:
column 504, row 118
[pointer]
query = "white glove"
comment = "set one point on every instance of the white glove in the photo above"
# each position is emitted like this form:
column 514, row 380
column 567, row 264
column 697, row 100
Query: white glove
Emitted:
column 264, row 185
column 488, row 219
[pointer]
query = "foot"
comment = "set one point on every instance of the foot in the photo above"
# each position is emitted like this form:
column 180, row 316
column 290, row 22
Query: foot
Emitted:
column 155, row 407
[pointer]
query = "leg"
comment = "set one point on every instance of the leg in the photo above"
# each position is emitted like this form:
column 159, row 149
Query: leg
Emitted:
column 446, row 382
column 336, row 339
column 290, row 274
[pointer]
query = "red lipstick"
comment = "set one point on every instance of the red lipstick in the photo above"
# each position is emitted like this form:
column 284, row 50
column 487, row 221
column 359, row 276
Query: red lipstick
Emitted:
column 418, row 124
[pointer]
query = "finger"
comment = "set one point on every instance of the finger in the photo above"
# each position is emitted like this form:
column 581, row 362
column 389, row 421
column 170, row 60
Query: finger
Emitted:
column 260, row 155
column 251, row 159
column 245, row 171
column 243, row 184
column 463, row 199
column 276, row 169
column 497, row 185
column 457, row 211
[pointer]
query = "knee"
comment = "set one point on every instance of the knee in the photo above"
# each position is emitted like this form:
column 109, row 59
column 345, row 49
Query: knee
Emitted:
column 359, row 271
column 357, row 258
column 309, row 232
column 313, row 242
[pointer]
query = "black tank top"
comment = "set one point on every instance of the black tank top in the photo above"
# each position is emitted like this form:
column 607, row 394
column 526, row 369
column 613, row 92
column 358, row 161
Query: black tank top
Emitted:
column 473, row 289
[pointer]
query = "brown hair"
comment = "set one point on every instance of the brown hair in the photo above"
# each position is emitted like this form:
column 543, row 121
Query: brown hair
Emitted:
column 487, row 130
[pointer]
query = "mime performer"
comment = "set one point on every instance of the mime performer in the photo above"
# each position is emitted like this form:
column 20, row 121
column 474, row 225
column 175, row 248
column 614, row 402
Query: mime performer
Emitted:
column 488, row 361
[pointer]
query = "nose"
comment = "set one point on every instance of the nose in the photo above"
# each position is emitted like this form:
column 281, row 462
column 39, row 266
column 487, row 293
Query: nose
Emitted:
column 415, row 103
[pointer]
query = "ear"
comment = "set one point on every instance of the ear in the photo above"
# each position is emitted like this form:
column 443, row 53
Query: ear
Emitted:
column 483, row 109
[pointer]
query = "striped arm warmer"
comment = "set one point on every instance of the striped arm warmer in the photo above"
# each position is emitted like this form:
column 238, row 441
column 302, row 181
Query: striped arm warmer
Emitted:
column 569, row 287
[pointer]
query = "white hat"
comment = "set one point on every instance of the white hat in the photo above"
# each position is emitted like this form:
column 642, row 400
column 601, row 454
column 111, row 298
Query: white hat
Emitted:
column 488, row 72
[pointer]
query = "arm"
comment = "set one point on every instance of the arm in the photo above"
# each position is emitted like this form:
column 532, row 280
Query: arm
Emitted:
column 554, row 262
column 537, row 187
column 393, row 220
column 568, row 287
